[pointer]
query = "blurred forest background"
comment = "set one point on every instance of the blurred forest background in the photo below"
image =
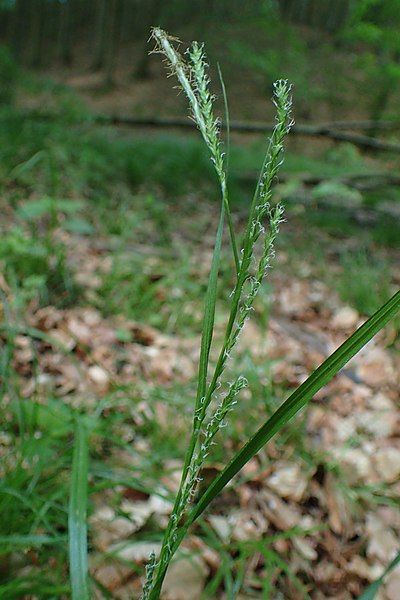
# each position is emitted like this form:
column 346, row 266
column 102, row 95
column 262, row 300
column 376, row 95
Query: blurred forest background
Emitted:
column 109, row 208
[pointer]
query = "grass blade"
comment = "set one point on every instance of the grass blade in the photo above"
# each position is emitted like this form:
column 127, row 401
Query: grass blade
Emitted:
column 77, row 528
column 324, row 373
column 371, row 591
column 209, row 311
column 225, row 190
column 27, row 541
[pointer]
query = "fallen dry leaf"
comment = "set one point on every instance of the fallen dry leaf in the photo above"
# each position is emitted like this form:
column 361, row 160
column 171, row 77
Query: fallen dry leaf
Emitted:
column 339, row 515
column 361, row 567
column 138, row 552
column 282, row 515
column 185, row 579
column 100, row 378
column 288, row 481
column 374, row 366
column 382, row 542
column 345, row 318
column 387, row 463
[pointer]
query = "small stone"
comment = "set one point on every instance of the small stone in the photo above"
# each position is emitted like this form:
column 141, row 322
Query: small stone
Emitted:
column 99, row 377
column 387, row 463
column 185, row 579
column 382, row 543
column 288, row 481
column 375, row 367
column 345, row 318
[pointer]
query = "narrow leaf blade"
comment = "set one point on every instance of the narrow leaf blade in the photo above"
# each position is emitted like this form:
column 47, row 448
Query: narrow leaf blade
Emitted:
column 209, row 310
column 324, row 373
column 77, row 527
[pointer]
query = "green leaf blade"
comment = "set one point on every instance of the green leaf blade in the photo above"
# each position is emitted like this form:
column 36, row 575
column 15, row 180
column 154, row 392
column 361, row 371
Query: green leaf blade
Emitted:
column 324, row 373
column 209, row 311
column 77, row 526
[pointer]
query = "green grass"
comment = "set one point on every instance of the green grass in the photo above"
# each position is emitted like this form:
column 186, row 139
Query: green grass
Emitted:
column 364, row 281
column 33, row 491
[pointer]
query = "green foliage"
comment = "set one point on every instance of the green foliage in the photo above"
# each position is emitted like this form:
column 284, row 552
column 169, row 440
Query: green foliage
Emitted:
column 375, row 24
column 64, row 160
column 33, row 493
column 8, row 76
column 364, row 281
column 35, row 260
column 38, row 268
column 165, row 165
column 284, row 53
column 337, row 193
column 277, row 48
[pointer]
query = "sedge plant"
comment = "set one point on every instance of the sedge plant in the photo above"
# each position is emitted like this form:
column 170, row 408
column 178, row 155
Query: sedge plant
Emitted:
column 216, row 396
column 250, row 271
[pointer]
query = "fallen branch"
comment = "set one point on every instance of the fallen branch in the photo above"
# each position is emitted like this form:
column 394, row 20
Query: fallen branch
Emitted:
column 360, row 125
column 320, row 130
column 359, row 181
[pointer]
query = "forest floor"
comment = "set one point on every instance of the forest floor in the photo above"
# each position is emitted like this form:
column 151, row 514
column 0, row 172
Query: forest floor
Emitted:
column 108, row 240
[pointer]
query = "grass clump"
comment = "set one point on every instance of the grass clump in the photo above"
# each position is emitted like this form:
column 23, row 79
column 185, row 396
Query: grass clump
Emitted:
column 35, row 258
column 364, row 281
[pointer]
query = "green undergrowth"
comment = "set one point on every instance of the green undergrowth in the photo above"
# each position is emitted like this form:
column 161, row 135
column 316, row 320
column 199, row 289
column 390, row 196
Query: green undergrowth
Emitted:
column 70, row 154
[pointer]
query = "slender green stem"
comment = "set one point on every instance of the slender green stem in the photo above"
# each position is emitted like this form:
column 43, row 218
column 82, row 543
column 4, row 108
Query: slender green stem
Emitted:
column 231, row 228
column 224, row 187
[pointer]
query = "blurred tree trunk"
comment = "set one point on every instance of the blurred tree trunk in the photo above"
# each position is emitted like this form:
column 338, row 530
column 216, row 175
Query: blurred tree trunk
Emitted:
column 112, row 40
column 100, row 35
column 5, row 23
column 38, row 16
column 152, row 19
column 328, row 15
column 65, row 33
column 19, row 21
column 128, row 24
column 286, row 7
column 338, row 15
